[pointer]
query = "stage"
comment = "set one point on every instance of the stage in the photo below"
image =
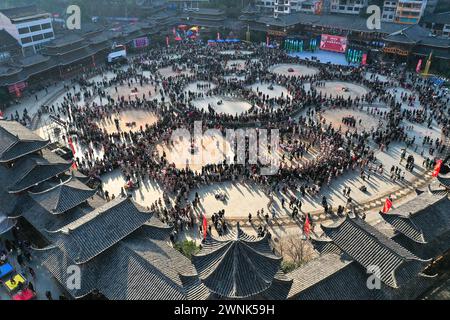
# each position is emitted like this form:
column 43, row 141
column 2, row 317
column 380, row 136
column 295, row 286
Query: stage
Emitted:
column 325, row 57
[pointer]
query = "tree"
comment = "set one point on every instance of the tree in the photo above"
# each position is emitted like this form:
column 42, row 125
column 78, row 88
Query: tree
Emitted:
column 294, row 250
column 187, row 248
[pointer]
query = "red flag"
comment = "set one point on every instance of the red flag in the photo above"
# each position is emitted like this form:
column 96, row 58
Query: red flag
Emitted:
column 74, row 164
column 387, row 205
column 437, row 168
column 205, row 227
column 267, row 41
column 69, row 140
column 307, row 227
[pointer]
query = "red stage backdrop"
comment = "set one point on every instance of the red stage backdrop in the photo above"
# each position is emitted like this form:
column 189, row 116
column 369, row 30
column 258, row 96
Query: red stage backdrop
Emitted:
column 333, row 43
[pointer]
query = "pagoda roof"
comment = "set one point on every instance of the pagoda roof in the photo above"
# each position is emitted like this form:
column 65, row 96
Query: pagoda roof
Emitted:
column 63, row 197
column 95, row 232
column 422, row 219
column 33, row 170
column 237, row 265
column 17, row 141
column 369, row 247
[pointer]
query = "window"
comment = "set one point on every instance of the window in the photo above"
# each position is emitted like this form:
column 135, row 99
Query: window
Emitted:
column 24, row 30
column 38, row 37
column 48, row 35
column 38, row 48
column 35, row 28
column 46, row 26
column 26, row 40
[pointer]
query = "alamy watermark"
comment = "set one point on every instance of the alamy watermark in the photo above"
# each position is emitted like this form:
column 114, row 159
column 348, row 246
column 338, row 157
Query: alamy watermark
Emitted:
column 211, row 147
column 374, row 280
column 374, row 20
column 73, row 281
column 73, row 21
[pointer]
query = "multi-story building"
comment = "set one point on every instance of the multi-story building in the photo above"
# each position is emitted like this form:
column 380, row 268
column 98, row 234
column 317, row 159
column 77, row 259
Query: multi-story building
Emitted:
column 30, row 26
column 183, row 4
column 348, row 6
column 389, row 10
column 409, row 11
column 438, row 23
column 292, row 6
column 266, row 6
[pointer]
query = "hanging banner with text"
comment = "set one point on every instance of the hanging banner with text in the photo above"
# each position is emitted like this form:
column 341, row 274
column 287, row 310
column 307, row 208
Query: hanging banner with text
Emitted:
column 333, row 43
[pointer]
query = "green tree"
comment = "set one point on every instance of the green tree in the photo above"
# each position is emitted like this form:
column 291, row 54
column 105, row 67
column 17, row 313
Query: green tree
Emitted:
column 187, row 248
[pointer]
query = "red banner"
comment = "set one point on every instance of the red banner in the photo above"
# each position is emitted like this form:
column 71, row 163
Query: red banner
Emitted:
column 437, row 168
column 387, row 206
column 205, row 227
column 419, row 65
column 364, row 59
column 307, row 227
column 333, row 43
column 17, row 88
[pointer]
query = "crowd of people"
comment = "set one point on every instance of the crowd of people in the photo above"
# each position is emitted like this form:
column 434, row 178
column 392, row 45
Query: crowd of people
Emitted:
column 296, row 115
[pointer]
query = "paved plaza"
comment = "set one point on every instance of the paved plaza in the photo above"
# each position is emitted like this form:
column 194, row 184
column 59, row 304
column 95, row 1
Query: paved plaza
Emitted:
column 345, row 145
column 243, row 198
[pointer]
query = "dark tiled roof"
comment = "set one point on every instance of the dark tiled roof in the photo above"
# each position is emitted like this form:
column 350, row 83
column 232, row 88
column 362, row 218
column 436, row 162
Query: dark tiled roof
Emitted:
column 17, row 141
column 7, row 40
column 63, row 197
column 6, row 223
column 422, row 219
column 346, row 22
column 142, row 267
column 251, row 8
column 21, row 12
column 416, row 34
column 46, row 222
column 99, row 230
column 237, row 265
column 331, row 277
column 444, row 180
column 369, row 247
column 440, row 18
column 32, row 60
column 64, row 40
column 324, row 246
column 31, row 171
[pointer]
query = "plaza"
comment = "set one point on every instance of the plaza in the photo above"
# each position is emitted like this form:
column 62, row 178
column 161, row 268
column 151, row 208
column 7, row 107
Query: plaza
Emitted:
column 121, row 167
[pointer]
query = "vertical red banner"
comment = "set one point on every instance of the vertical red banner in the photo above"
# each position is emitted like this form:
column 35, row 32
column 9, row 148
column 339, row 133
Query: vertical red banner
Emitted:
column 205, row 227
column 218, row 36
column 267, row 40
column 364, row 59
column 167, row 41
column 437, row 168
column 419, row 65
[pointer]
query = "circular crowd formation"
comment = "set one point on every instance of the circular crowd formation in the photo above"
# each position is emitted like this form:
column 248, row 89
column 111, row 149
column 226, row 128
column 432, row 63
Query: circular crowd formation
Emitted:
column 330, row 121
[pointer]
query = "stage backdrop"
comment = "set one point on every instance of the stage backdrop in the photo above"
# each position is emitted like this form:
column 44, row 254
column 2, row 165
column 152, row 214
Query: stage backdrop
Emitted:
column 333, row 43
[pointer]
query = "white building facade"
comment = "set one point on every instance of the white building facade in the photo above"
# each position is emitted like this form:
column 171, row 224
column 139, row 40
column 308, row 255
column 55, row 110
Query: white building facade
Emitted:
column 409, row 11
column 30, row 27
column 348, row 6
